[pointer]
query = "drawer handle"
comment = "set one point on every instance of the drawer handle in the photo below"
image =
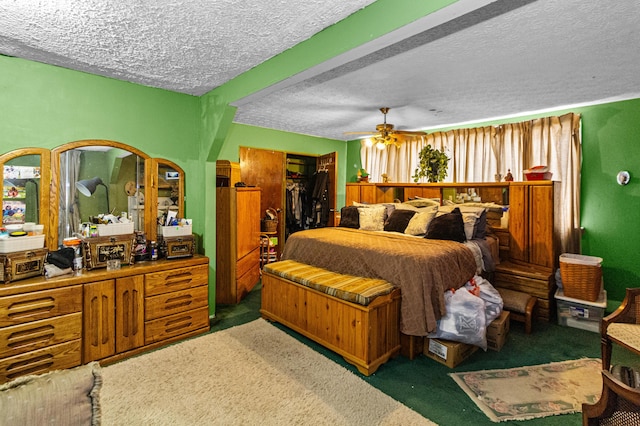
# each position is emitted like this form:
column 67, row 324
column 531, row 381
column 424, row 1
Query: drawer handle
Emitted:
column 177, row 302
column 30, row 366
column 179, row 278
column 31, row 337
column 178, row 324
column 32, row 307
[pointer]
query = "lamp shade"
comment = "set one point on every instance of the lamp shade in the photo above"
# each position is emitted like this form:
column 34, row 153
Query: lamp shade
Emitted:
column 88, row 186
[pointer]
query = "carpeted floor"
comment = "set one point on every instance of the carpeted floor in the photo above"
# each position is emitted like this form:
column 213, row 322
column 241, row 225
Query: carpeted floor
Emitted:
column 424, row 385
column 246, row 375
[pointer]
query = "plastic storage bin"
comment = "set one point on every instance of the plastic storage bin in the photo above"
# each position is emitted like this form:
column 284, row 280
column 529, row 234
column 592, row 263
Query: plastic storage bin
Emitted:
column 175, row 231
column 579, row 313
column 115, row 229
column 14, row 244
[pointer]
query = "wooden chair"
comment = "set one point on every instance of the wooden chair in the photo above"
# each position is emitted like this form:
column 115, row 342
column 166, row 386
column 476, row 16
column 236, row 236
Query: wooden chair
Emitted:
column 622, row 327
column 618, row 405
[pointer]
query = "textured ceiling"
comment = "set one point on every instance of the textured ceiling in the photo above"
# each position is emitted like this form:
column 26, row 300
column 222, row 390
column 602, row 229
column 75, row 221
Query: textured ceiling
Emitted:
column 472, row 61
column 188, row 46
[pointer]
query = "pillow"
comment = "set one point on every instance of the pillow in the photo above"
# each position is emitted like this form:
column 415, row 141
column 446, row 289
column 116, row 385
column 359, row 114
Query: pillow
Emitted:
column 389, row 206
column 420, row 221
column 470, row 217
column 448, row 226
column 464, row 208
column 422, row 202
column 480, row 230
column 350, row 217
column 372, row 218
column 398, row 220
column 405, row 206
column 61, row 397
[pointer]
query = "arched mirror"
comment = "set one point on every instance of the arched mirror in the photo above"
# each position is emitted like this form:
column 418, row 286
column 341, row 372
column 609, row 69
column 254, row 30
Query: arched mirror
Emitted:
column 170, row 189
column 95, row 177
column 25, row 186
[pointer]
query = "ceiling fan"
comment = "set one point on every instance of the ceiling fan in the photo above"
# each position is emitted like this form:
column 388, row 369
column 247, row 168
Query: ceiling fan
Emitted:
column 385, row 133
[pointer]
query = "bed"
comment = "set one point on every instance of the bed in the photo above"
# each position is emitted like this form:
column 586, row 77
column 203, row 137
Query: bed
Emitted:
column 422, row 268
column 422, row 248
column 421, row 251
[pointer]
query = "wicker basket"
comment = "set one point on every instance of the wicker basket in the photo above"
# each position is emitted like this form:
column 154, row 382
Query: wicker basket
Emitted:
column 270, row 221
column 581, row 276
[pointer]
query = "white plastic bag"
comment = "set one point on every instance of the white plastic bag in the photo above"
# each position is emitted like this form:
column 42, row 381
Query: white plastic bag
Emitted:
column 484, row 290
column 465, row 320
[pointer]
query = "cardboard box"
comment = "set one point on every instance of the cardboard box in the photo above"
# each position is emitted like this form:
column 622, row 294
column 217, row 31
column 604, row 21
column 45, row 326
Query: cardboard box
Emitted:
column 447, row 352
column 497, row 331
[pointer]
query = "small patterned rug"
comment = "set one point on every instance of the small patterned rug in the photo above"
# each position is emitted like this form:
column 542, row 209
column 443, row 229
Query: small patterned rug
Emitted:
column 534, row 391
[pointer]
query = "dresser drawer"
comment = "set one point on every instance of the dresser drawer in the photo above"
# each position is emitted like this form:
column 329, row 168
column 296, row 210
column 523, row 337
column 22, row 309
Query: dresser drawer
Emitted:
column 56, row 357
column 175, row 325
column 249, row 262
column 175, row 279
column 175, row 302
column 39, row 334
column 246, row 282
column 26, row 307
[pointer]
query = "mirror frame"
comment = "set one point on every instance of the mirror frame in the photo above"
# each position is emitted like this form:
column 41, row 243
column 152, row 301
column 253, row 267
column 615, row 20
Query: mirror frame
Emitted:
column 152, row 198
column 50, row 180
column 52, row 237
column 45, row 179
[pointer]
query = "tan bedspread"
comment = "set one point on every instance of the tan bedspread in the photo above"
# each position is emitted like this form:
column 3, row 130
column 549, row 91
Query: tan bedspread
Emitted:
column 423, row 269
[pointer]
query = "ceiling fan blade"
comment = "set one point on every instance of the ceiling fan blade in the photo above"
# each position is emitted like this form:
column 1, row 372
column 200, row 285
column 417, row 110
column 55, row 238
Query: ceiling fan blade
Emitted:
column 360, row 133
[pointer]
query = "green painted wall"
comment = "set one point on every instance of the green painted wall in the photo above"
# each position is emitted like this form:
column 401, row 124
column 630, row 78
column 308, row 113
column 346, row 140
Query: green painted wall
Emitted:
column 610, row 213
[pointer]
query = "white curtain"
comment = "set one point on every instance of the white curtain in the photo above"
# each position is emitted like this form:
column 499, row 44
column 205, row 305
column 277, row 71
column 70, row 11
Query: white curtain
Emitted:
column 69, row 214
column 485, row 154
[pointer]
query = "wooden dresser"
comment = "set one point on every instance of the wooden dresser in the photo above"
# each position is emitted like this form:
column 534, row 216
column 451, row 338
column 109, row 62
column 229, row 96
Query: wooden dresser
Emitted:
column 533, row 253
column 238, row 217
column 62, row 322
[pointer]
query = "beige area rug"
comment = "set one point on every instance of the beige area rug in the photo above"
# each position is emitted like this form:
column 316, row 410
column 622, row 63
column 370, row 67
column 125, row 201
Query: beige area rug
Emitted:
column 252, row 374
column 535, row 391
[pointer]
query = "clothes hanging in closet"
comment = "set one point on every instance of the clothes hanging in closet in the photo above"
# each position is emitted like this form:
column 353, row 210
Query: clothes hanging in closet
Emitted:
column 297, row 217
column 320, row 199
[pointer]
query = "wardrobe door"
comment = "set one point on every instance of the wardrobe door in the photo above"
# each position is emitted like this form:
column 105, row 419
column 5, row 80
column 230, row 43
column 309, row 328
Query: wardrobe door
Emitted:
column 328, row 163
column 266, row 170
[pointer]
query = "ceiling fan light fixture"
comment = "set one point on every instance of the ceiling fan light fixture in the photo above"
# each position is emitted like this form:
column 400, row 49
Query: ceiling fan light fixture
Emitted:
column 381, row 145
column 368, row 142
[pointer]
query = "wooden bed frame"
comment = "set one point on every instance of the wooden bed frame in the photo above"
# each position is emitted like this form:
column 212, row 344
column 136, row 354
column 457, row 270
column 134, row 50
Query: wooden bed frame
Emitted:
column 366, row 336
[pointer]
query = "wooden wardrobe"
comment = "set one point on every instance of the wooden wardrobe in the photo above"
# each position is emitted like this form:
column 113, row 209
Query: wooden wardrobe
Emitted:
column 237, row 242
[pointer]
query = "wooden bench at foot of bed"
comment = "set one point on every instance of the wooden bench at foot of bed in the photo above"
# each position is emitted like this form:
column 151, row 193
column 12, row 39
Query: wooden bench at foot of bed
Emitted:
column 365, row 335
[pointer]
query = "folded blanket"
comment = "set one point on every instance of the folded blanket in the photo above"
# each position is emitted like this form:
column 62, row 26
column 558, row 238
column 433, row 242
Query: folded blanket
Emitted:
column 51, row 270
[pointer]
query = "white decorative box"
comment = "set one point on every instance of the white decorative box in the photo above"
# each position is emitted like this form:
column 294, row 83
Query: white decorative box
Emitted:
column 115, row 229
column 175, row 231
column 28, row 242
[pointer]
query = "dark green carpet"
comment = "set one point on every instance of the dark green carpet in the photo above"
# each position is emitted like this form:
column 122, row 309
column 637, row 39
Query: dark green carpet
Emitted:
column 424, row 385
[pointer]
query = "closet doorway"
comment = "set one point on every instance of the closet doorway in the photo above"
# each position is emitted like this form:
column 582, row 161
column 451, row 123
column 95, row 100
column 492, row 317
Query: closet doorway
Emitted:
column 293, row 184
